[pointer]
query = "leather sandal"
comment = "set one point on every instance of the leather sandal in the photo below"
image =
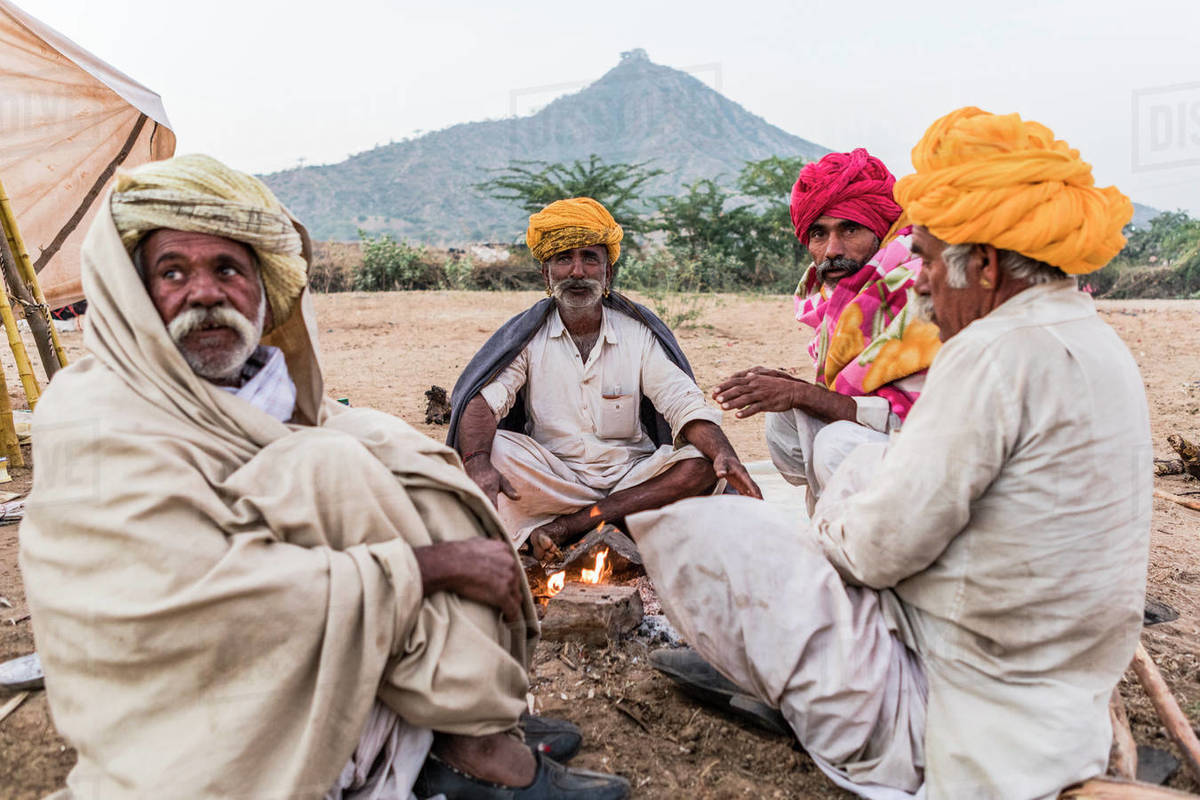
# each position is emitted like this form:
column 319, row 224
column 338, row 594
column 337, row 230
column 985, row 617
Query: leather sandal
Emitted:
column 552, row 780
column 554, row 738
column 701, row 681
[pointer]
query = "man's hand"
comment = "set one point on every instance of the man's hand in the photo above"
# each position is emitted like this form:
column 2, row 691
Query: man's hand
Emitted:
column 483, row 570
column 489, row 479
column 759, row 389
column 730, row 467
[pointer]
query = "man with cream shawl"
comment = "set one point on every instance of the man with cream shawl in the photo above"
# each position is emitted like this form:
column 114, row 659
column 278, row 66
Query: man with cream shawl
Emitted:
column 239, row 587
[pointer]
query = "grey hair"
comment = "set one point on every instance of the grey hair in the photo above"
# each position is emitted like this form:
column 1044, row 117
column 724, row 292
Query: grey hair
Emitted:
column 1017, row 266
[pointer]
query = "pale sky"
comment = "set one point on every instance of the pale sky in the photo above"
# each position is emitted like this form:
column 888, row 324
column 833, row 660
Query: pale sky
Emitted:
column 263, row 84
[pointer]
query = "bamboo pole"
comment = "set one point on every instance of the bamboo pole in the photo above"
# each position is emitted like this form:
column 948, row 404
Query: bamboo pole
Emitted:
column 8, row 428
column 53, row 354
column 1172, row 716
column 24, row 368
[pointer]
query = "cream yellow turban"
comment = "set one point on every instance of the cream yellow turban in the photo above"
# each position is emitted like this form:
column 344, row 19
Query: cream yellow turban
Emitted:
column 995, row 179
column 566, row 224
column 200, row 194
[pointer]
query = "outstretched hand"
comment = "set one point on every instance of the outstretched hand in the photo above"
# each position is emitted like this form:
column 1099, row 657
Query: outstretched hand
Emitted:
column 758, row 389
column 489, row 479
column 483, row 570
column 730, row 467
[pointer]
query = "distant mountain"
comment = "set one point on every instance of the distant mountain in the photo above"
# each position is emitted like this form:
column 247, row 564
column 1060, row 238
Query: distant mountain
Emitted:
column 423, row 188
column 1142, row 215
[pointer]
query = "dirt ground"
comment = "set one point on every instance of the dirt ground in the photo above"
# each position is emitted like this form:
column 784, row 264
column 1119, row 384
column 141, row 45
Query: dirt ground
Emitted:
column 385, row 350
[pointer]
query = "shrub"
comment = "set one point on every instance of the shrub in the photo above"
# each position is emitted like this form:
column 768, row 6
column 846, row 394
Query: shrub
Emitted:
column 388, row 264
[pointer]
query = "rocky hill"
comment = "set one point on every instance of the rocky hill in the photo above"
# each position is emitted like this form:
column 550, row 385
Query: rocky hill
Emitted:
column 422, row 189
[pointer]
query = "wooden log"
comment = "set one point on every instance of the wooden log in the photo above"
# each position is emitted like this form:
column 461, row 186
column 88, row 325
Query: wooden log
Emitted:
column 1174, row 498
column 1172, row 716
column 1117, row 789
column 592, row 613
column 1122, row 759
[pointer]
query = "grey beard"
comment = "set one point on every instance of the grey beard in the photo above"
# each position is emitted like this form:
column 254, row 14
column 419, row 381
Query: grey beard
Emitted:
column 559, row 290
column 219, row 366
column 920, row 306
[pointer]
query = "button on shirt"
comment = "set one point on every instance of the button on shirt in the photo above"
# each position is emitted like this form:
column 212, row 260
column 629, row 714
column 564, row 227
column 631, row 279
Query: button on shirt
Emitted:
column 587, row 412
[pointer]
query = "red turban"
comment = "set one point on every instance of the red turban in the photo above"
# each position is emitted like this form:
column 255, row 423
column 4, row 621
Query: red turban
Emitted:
column 854, row 186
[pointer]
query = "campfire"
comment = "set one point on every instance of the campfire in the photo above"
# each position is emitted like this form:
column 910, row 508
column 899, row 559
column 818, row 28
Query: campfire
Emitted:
column 579, row 596
column 599, row 572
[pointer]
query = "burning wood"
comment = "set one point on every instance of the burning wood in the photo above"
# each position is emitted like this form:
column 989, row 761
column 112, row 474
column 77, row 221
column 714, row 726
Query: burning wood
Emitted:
column 624, row 562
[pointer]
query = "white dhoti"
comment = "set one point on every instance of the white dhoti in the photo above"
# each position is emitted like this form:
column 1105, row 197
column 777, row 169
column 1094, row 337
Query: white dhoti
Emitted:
column 748, row 586
column 807, row 451
column 549, row 488
column 386, row 761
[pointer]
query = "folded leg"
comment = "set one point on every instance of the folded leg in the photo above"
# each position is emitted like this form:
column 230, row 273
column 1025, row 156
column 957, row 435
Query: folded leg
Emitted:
column 748, row 587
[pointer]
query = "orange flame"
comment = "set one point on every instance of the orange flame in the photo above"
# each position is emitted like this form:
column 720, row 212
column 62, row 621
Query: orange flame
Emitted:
column 595, row 575
column 556, row 583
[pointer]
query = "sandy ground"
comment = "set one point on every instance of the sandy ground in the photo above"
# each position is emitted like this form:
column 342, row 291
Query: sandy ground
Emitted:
column 385, row 350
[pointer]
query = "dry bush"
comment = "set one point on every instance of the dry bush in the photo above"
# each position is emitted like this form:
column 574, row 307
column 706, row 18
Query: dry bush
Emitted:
column 333, row 266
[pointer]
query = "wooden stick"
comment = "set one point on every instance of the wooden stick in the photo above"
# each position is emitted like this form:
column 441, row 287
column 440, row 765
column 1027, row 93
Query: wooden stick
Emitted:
column 1123, row 761
column 1172, row 716
column 1174, row 498
column 1115, row 789
column 12, row 704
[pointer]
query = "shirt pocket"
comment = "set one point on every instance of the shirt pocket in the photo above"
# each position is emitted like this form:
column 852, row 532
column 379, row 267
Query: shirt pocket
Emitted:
column 618, row 416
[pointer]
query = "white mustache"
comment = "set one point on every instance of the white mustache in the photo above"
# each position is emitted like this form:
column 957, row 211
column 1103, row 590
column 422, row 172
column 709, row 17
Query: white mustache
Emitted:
column 195, row 319
column 559, row 290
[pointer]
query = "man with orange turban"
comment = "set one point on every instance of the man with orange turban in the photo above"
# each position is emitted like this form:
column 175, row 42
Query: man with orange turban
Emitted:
column 868, row 353
column 956, row 616
column 599, row 413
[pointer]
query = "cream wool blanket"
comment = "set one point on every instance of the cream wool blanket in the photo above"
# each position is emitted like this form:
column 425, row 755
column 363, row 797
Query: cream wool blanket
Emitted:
column 219, row 597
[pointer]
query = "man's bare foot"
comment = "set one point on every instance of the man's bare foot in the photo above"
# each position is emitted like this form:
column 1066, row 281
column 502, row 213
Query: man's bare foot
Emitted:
column 497, row 758
column 547, row 539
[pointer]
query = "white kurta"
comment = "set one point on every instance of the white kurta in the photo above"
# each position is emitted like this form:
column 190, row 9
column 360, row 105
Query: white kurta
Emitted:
column 584, row 438
column 1004, row 536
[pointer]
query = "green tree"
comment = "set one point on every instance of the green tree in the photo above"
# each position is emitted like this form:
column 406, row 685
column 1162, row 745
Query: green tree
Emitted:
column 535, row 184
column 1171, row 234
column 769, row 182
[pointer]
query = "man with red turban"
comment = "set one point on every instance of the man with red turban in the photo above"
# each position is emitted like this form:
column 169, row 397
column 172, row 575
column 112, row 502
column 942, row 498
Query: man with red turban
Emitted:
column 869, row 354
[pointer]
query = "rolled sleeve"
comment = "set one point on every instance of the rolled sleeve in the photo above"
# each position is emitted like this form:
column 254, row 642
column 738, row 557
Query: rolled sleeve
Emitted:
column 875, row 413
column 501, row 393
column 673, row 393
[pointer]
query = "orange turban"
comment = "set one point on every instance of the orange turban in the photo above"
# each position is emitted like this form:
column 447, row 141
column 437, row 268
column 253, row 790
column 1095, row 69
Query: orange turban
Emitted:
column 995, row 179
column 566, row 224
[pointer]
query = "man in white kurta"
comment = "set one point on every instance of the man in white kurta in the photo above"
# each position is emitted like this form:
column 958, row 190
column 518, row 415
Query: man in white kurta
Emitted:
column 585, row 439
column 582, row 409
column 955, row 617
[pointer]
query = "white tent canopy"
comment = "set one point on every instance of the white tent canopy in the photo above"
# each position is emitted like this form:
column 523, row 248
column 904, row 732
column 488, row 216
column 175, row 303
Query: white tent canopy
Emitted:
column 67, row 121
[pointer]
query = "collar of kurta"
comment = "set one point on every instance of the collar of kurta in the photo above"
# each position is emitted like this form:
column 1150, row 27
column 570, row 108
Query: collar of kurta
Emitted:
column 556, row 327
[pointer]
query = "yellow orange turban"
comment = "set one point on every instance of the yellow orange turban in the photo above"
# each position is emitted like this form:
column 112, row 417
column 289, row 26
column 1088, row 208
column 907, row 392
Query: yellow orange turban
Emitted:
column 997, row 179
column 200, row 194
column 566, row 224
